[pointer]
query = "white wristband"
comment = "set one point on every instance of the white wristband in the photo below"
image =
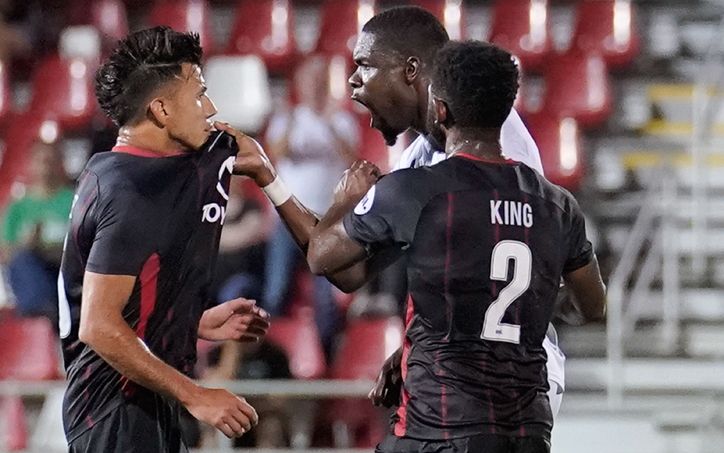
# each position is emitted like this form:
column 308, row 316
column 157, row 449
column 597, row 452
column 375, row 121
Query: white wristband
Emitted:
column 277, row 192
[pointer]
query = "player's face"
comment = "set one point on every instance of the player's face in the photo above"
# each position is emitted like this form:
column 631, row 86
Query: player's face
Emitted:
column 379, row 84
column 435, row 131
column 190, row 108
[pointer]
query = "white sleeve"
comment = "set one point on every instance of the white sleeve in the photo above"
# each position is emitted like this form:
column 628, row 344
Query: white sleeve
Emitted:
column 411, row 154
column 517, row 143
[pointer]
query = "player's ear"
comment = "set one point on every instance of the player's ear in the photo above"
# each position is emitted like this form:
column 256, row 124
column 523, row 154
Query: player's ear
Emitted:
column 157, row 111
column 412, row 69
column 442, row 113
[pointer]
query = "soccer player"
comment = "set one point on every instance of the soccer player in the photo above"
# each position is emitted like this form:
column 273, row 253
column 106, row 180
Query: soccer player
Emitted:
column 394, row 55
column 142, row 241
column 487, row 242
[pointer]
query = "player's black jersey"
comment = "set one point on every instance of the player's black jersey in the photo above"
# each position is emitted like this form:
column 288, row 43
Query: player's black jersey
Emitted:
column 156, row 218
column 486, row 244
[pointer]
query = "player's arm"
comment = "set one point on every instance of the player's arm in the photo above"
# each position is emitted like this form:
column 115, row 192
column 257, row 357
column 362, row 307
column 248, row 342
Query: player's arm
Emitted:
column 580, row 272
column 251, row 161
column 588, row 290
column 103, row 328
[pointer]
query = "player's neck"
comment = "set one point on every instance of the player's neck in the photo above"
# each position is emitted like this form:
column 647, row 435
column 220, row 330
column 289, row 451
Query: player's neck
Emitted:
column 149, row 138
column 478, row 142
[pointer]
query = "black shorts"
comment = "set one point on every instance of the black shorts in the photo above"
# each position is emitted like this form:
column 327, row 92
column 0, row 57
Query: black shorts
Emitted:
column 482, row 443
column 149, row 425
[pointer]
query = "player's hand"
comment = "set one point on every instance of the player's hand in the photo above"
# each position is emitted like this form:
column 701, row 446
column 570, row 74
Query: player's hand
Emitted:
column 251, row 160
column 238, row 319
column 356, row 182
column 388, row 385
column 228, row 413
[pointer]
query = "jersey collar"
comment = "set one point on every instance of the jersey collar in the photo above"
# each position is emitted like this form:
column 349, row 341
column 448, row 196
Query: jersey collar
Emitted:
column 478, row 159
column 132, row 150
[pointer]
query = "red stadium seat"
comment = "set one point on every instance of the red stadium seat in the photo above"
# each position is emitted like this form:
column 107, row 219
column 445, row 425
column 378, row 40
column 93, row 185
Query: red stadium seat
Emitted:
column 449, row 12
column 365, row 346
column 185, row 15
column 29, row 349
column 19, row 135
column 300, row 340
column 107, row 16
column 341, row 22
column 607, row 27
column 63, row 88
column 265, row 28
column 559, row 142
column 577, row 86
column 14, row 436
column 521, row 27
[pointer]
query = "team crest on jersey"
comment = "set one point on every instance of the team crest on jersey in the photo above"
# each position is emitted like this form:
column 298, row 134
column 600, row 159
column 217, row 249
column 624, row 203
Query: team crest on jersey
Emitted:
column 365, row 204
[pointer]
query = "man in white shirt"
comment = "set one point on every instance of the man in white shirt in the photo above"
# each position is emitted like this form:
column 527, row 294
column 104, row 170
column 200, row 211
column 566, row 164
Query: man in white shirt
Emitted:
column 394, row 54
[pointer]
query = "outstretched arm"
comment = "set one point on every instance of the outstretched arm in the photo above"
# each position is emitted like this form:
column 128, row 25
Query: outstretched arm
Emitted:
column 252, row 161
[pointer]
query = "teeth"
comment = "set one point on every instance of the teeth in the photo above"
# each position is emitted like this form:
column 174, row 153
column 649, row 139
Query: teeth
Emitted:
column 371, row 120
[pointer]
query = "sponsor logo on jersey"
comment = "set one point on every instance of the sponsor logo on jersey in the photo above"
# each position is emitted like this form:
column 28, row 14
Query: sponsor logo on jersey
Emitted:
column 365, row 204
column 214, row 212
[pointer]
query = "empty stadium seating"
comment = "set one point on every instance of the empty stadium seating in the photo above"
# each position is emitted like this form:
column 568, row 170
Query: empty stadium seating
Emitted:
column 107, row 16
column 29, row 349
column 340, row 23
column 239, row 87
column 559, row 143
column 577, row 86
column 19, row 135
column 63, row 88
column 521, row 27
column 365, row 346
column 607, row 27
column 185, row 15
column 13, row 424
column 299, row 338
column 265, row 28
column 451, row 14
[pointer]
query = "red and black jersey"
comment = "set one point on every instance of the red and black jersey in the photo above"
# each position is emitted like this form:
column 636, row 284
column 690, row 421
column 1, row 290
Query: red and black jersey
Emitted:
column 486, row 245
column 155, row 218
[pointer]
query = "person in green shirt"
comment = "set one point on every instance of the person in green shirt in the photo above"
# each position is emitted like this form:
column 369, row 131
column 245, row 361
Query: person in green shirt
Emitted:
column 33, row 231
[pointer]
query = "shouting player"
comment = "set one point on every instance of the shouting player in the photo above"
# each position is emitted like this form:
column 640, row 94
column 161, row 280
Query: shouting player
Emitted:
column 487, row 242
column 143, row 237
column 394, row 56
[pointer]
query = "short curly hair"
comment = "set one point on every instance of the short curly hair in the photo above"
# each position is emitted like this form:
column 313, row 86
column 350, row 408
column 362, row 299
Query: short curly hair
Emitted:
column 408, row 31
column 141, row 63
column 478, row 81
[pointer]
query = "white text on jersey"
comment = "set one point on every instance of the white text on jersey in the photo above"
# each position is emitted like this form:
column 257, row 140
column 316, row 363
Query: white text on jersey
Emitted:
column 515, row 213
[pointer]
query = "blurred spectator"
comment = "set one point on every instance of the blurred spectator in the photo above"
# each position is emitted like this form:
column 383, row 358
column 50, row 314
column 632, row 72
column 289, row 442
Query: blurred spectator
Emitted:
column 239, row 267
column 262, row 360
column 33, row 231
column 12, row 42
column 312, row 145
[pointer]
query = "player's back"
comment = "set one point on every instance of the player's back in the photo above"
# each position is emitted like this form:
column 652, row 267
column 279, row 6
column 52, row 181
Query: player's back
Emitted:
column 490, row 244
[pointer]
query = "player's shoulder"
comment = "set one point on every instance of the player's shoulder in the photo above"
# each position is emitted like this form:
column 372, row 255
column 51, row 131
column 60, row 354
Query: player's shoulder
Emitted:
column 555, row 194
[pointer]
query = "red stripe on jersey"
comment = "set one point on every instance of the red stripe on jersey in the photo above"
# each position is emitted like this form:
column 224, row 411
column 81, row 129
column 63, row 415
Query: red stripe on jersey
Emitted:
column 401, row 425
column 479, row 159
column 132, row 150
column 448, row 302
column 149, row 281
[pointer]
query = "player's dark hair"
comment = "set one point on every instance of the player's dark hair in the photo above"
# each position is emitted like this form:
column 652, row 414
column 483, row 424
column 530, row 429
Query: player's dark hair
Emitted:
column 408, row 31
column 141, row 63
column 478, row 81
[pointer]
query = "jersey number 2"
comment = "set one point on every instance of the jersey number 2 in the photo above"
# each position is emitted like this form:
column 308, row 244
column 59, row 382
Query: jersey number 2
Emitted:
column 504, row 251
